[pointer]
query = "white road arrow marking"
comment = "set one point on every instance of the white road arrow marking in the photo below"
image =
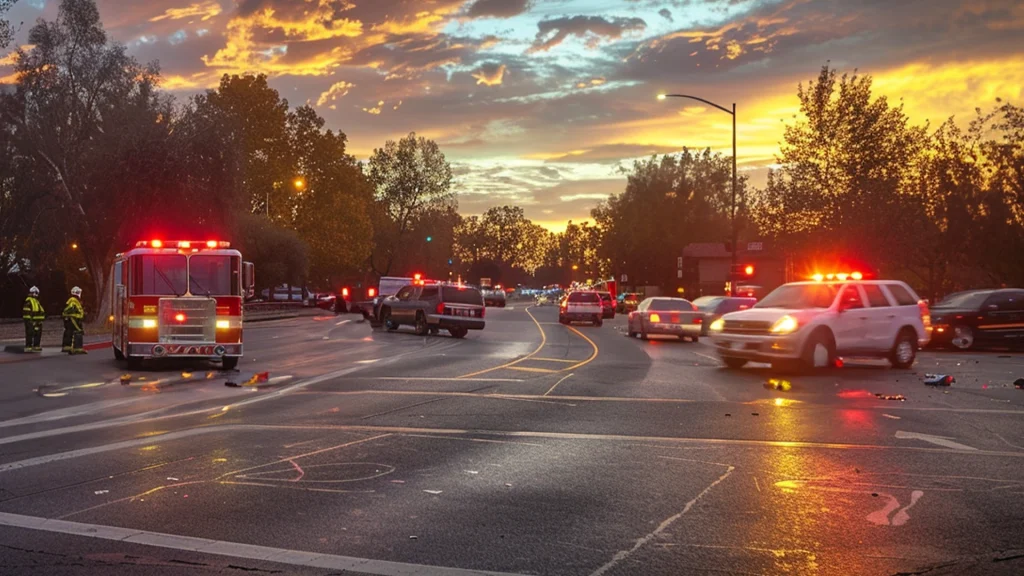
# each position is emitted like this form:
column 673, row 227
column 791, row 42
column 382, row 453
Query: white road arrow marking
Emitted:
column 943, row 441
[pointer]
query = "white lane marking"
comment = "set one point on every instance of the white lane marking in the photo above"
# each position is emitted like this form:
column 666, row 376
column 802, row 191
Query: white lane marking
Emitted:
column 367, row 361
column 70, row 412
column 624, row 554
column 342, row 322
column 423, row 379
column 890, row 416
column 943, row 441
column 557, row 383
column 235, row 549
column 901, row 517
column 712, row 358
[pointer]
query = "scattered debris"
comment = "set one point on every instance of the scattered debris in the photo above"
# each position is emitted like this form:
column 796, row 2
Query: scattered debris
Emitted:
column 896, row 397
column 412, row 537
column 891, row 416
column 98, row 492
column 939, row 379
column 209, row 375
column 230, row 384
column 172, row 478
column 258, row 378
column 434, row 492
column 125, row 379
column 1019, row 383
column 472, row 472
column 186, row 375
column 875, row 494
column 777, row 384
column 727, row 414
column 754, row 414
column 398, row 481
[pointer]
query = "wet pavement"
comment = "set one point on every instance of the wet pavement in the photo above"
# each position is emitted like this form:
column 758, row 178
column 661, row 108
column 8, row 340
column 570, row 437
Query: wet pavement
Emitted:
column 528, row 448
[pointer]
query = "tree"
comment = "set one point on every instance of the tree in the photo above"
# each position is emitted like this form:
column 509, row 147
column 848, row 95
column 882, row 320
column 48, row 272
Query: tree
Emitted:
column 84, row 111
column 278, row 254
column 843, row 166
column 410, row 177
column 6, row 30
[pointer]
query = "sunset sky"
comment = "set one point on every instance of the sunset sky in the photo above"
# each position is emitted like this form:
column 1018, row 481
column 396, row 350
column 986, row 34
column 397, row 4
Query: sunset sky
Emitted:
column 540, row 103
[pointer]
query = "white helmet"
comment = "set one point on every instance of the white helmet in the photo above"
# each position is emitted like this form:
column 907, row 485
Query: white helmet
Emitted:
column 76, row 291
column 34, row 291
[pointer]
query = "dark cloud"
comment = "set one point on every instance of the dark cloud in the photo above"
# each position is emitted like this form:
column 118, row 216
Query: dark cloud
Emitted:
column 497, row 8
column 666, row 14
column 551, row 33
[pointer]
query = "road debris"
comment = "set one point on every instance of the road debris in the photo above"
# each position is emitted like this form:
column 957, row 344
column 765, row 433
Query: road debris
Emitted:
column 896, row 397
column 890, row 416
column 434, row 492
column 98, row 492
column 939, row 379
column 1019, row 383
column 755, row 414
column 125, row 379
column 186, row 375
column 412, row 537
column 472, row 472
column 172, row 478
column 778, row 384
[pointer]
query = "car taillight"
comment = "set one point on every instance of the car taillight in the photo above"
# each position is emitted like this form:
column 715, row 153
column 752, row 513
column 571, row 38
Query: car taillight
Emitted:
column 926, row 315
column 654, row 317
column 440, row 307
column 698, row 320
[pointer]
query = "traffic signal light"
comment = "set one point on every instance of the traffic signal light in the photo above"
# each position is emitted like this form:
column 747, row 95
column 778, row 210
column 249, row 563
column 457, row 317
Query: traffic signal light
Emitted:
column 430, row 238
column 748, row 270
column 744, row 271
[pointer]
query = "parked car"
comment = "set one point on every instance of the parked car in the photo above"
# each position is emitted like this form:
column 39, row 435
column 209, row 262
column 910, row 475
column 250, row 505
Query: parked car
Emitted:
column 607, row 305
column 628, row 302
column 581, row 306
column 976, row 318
column 431, row 308
column 813, row 323
column 666, row 316
column 494, row 298
column 714, row 307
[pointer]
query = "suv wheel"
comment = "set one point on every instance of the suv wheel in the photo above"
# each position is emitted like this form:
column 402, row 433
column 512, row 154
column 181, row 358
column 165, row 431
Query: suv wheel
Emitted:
column 734, row 363
column 963, row 337
column 904, row 351
column 385, row 318
column 820, row 351
column 422, row 328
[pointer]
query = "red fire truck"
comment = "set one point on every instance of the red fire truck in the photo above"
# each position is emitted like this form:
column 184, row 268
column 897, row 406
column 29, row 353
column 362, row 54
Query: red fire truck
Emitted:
column 179, row 299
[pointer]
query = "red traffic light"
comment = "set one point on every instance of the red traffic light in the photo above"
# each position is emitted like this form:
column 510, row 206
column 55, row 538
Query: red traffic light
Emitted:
column 749, row 270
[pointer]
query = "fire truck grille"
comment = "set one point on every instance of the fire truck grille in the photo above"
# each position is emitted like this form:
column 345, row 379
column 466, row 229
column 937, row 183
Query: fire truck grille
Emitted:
column 188, row 320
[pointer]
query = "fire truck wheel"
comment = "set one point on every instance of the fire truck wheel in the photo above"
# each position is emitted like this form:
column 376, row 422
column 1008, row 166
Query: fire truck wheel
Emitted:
column 117, row 354
column 229, row 362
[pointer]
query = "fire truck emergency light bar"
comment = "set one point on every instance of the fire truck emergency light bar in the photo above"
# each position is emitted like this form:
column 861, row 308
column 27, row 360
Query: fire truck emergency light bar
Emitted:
column 182, row 244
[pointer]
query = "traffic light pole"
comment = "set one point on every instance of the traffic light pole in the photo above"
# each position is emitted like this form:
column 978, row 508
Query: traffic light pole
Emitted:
column 735, row 232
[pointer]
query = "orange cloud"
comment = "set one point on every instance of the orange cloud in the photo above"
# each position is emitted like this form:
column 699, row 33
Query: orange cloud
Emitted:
column 337, row 90
column 205, row 9
column 490, row 74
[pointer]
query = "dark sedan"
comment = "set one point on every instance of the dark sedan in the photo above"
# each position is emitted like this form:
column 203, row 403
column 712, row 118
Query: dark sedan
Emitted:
column 714, row 307
column 976, row 318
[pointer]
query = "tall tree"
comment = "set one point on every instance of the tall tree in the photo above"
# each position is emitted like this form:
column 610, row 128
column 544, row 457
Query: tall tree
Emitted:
column 6, row 30
column 842, row 168
column 410, row 177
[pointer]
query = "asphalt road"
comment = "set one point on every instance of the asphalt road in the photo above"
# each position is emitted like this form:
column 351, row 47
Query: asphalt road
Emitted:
column 528, row 448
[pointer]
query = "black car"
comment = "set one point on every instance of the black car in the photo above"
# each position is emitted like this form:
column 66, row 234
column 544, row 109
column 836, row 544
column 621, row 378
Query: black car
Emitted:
column 979, row 317
column 714, row 307
column 430, row 308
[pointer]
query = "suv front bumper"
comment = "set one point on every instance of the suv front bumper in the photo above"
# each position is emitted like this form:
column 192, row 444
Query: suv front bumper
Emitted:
column 758, row 348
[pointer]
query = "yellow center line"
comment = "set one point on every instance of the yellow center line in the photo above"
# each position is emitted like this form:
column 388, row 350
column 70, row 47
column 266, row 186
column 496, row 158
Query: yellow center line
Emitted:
column 543, row 341
column 528, row 369
column 554, row 360
column 592, row 356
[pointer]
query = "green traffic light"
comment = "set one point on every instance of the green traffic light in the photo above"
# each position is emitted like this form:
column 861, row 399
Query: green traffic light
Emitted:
column 430, row 238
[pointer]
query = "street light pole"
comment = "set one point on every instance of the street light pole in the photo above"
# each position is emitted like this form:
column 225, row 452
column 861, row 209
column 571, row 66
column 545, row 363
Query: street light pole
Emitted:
column 732, row 211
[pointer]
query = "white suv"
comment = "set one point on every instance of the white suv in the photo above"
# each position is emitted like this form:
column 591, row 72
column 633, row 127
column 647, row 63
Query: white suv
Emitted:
column 816, row 322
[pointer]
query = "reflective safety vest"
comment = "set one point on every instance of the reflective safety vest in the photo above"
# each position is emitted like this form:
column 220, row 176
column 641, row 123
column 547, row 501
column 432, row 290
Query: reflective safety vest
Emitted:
column 73, row 309
column 33, row 310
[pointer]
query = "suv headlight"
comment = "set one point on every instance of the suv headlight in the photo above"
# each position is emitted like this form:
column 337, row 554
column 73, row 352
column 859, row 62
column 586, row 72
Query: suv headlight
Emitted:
column 785, row 325
column 717, row 325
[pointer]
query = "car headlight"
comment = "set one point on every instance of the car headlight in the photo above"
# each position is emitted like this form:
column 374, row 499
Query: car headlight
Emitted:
column 785, row 325
column 717, row 325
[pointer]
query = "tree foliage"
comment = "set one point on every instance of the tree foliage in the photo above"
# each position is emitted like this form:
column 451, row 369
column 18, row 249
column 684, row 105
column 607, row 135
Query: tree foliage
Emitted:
column 411, row 178
column 6, row 30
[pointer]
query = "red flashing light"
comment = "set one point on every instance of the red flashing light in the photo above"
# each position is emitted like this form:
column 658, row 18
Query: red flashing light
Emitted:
column 179, row 317
column 857, row 276
column 156, row 243
column 211, row 243
column 654, row 317
column 344, row 292
column 371, row 292
column 417, row 276
column 184, row 244
column 749, row 270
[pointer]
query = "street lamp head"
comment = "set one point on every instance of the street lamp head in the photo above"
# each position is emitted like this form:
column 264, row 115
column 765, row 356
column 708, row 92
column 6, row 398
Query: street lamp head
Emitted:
column 662, row 96
column 299, row 183
column 575, row 267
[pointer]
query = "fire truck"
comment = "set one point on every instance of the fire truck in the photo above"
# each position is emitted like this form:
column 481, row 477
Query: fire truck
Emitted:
column 179, row 299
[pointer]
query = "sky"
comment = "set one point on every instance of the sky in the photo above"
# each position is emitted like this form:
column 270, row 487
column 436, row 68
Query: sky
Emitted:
column 545, row 103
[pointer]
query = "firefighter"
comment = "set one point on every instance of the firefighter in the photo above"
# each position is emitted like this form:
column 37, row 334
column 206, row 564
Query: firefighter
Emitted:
column 74, row 317
column 33, row 314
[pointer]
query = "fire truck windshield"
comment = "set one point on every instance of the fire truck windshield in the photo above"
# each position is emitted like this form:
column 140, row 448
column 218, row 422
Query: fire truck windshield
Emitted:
column 210, row 274
column 160, row 274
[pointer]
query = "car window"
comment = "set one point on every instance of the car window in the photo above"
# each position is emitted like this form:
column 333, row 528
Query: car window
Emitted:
column 584, row 297
column 428, row 293
column 711, row 303
column 876, row 298
column 670, row 304
column 850, row 298
column 902, row 295
column 405, row 293
column 1004, row 302
column 461, row 295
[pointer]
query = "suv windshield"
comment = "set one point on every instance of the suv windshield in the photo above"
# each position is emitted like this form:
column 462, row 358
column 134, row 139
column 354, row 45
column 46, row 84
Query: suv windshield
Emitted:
column 584, row 297
column 461, row 295
column 800, row 296
column 964, row 300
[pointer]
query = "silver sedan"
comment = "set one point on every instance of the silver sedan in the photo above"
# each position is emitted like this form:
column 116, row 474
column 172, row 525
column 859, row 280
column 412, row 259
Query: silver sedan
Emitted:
column 666, row 316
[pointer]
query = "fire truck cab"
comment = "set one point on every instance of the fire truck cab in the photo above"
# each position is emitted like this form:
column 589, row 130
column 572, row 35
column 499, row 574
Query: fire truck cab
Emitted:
column 179, row 299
